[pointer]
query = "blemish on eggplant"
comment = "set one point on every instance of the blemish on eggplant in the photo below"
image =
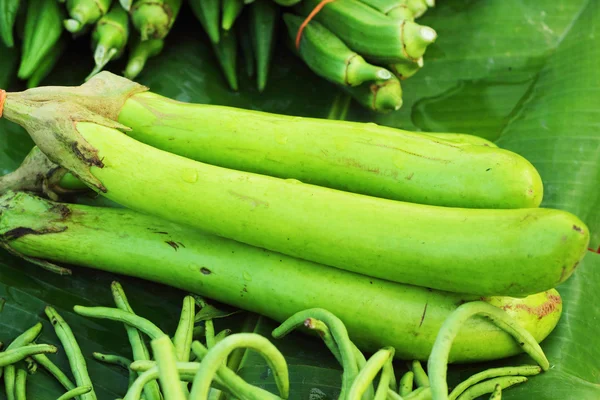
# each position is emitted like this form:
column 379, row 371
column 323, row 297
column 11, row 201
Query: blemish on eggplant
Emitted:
column 424, row 312
column 410, row 176
column 205, row 271
column 577, row 229
column 172, row 244
column 181, row 244
column 487, row 169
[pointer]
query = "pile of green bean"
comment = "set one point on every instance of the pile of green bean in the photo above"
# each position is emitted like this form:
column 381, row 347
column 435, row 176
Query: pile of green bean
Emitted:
column 332, row 43
column 182, row 367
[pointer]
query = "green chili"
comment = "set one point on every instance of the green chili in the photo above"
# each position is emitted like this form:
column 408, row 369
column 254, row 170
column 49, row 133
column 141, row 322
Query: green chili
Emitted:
column 78, row 391
column 525, row 370
column 438, row 360
column 73, row 351
column 166, row 359
column 216, row 356
column 489, row 386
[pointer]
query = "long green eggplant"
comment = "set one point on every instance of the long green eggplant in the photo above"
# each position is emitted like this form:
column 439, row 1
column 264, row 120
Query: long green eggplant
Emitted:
column 486, row 252
column 377, row 312
column 356, row 157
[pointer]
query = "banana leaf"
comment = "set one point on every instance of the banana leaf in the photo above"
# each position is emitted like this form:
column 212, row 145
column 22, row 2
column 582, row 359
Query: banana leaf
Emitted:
column 521, row 72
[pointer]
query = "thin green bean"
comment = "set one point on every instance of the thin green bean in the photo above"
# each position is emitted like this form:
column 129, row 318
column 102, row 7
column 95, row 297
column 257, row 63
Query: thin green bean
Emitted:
column 339, row 333
column 367, row 375
column 12, row 356
column 422, row 393
column 361, row 361
column 115, row 314
column 222, row 335
column 117, row 360
column 524, row 370
column 406, row 383
column 73, row 351
column 321, row 328
column 386, row 381
column 78, row 391
column 23, row 339
column 393, row 395
column 497, row 393
column 138, row 346
column 21, row 384
column 420, row 377
column 438, row 359
column 54, row 370
column 213, row 360
column 166, row 359
column 9, row 382
column 185, row 329
column 489, row 386
column 209, row 333
column 231, row 381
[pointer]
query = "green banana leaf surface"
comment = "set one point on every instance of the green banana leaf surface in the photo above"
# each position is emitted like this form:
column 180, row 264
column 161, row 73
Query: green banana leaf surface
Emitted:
column 521, row 72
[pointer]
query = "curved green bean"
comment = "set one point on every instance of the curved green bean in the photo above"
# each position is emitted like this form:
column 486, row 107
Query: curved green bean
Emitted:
column 420, row 376
column 422, row 393
column 54, row 370
column 497, row 393
column 166, row 359
column 9, row 382
column 117, row 360
column 23, row 339
column 215, row 357
column 387, row 381
column 138, row 346
column 12, row 356
column 321, row 328
column 73, row 351
column 209, row 333
column 366, row 376
column 524, row 370
column 438, row 360
column 393, row 395
column 339, row 333
column 406, row 383
column 78, row 391
column 222, row 335
column 185, row 330
column 21, row 384
column 489, row 386
column 230, row 380
column 116, row 314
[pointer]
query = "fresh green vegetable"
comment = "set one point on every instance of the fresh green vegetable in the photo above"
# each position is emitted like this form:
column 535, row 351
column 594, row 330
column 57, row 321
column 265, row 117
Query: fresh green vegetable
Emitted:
column 117, row 360
column 73, row 351
column 12, row 356
column 85, row 12
column 328, row 57
column 231, row 9
column 525, row 370
column 115, row 314
column 367, row 375
column 370, row 33
column 403, row 316
column 397, row 9
column 208, row 13
column 264, row 15
column 406, row 383
column 9, row 370
column 110, row 37
column 53, row 370
column 166, row 360
column 8, row 16
column 43, row 28
column 490, row 386
column 216, row 356
column 477, row 251
column 48, row 63
column 355, row 157
column 153, row 19
column 245, row 40
column 76, row 392
column 21, row 384
column 437, row 364
column 381, row 96
column 497, row 393
column 420, row 376
column 139, row 53
column 226, row 52
column 463, row 138
column 138, row 346
column 406, row 68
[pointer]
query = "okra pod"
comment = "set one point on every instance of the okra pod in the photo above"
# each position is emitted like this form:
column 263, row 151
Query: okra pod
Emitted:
column 139, row 53
column 327, row 56
column 48, row 63
column 264, row 15
column 380, row 96
column 85, row 12
column 226, row 52
column 231, row 10
column 153, row 19
column 8, row 16
column 109, row 37
column 208, row 13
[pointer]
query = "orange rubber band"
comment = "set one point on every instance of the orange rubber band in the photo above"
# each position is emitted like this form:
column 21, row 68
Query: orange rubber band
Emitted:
column 2, row 98
column 314, row 12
